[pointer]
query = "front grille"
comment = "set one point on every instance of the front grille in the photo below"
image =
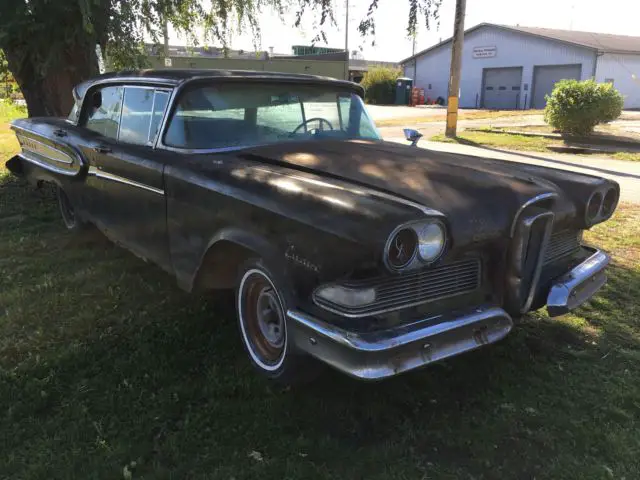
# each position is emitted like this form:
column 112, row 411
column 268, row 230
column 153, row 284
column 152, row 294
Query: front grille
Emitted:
column 562, row 244
column 412, row 289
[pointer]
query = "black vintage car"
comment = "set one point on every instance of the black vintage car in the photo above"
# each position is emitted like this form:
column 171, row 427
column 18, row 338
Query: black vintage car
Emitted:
column 373, row 257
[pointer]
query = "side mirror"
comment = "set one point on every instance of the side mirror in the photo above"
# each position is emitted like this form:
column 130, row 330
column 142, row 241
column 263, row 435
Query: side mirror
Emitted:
column 412, row 136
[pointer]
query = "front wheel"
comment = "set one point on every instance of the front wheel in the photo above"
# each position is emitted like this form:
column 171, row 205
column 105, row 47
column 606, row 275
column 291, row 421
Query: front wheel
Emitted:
column 261, row 310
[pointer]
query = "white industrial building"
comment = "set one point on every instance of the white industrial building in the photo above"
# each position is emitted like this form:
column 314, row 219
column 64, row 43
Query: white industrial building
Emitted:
column 507, row 67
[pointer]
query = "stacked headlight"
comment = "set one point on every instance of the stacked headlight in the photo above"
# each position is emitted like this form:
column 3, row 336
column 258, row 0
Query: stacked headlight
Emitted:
column 412, row 245
column 431, row 240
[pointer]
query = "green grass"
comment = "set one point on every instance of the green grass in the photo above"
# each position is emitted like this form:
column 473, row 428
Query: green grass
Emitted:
column 629, row 156
column 8, row 143
column 105, row 362
column 519, row 142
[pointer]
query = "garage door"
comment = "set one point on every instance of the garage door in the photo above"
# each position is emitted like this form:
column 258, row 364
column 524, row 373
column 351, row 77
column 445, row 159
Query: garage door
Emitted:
column 545, row 77
column 501, row 88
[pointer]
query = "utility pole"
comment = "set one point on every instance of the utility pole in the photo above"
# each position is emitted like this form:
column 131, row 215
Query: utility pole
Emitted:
column 346, row 41
column 165, row 35
column 456, row 67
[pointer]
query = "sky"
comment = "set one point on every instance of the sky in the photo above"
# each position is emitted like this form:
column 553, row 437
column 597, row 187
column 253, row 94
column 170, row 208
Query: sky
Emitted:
column 391, row 42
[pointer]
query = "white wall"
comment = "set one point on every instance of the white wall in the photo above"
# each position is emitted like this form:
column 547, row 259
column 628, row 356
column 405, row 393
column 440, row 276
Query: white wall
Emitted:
column 513, row 50
column 620, row 67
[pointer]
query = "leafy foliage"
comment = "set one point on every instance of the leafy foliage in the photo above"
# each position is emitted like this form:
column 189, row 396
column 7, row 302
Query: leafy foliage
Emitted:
column 50, row 45
column 576, row 107
column 8, row 85
column 380, row 85
column 426, row 9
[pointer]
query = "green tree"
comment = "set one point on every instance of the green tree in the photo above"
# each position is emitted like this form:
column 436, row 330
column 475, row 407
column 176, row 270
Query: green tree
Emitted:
column 6, row 79
column 380, row 85
column 50, row 45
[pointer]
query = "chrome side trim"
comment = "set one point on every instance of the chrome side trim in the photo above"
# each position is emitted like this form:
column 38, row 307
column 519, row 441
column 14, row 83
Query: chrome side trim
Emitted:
column 528, row 203
column 40, row 148
column 116, row 178
column 29, row 157
column 381, row 354
column 578, row 285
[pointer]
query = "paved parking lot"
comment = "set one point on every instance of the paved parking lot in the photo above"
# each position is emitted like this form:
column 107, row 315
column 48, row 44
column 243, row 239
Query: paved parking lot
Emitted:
column 627, row 174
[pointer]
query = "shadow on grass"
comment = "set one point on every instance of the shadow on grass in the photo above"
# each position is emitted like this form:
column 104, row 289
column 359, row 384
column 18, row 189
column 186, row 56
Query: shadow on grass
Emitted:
column 104, row 362
column 471, row 143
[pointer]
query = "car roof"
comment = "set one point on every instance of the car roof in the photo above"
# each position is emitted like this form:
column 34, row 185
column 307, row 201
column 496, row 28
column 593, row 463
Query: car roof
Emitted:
column 173, row 77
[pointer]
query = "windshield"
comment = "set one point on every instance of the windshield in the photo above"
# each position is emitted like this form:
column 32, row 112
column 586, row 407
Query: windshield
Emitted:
column 233, row 115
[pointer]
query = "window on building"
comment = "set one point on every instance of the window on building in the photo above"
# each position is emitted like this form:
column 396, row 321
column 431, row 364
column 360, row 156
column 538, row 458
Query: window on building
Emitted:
column 103, row 115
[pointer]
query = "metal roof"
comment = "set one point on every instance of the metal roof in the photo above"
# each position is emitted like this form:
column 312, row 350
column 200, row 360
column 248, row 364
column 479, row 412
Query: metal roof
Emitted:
column 600, row 42
column 174, row 77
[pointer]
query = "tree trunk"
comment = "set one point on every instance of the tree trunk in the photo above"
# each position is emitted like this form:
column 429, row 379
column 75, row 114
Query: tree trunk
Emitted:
column 48, row 91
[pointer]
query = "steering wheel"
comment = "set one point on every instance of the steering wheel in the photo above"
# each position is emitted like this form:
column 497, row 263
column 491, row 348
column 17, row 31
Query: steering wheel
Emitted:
column 315, row 119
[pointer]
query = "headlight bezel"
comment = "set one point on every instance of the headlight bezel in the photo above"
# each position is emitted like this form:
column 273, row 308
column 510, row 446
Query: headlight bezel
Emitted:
column 416, row 260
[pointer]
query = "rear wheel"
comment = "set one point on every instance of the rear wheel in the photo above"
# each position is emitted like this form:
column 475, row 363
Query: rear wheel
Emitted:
column 68, row 212
column 261, row 310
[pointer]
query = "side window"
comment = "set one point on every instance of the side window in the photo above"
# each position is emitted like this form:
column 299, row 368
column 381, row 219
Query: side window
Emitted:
column 103, row 111
column 75, row 112
column 136, row 115
column 159, row 105
column 344, row 105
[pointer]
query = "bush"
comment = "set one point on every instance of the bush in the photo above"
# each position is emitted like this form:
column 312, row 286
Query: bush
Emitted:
column 380, row 85
column 576, row 107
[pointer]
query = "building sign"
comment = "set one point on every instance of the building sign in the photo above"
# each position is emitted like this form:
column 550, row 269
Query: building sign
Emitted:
column 167, row 62
column 485, row 52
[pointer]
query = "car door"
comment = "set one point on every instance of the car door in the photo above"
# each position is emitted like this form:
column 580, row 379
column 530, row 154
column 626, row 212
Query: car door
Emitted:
column 125, row 187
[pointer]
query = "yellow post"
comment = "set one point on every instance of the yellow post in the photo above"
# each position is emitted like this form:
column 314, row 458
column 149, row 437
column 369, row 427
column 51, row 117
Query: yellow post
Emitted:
column 456, row 67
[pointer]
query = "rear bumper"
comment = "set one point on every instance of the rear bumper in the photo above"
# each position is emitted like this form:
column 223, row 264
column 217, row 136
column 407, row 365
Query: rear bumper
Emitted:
column 382, row 354
column 578, row 285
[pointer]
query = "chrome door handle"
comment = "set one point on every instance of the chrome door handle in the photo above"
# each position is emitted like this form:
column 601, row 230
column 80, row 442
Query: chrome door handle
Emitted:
column 102, row 149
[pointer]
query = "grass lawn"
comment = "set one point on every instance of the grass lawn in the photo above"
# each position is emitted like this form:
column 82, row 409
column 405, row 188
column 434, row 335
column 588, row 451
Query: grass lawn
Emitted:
column 108, row 370
column 462, row 115
column 519, row 142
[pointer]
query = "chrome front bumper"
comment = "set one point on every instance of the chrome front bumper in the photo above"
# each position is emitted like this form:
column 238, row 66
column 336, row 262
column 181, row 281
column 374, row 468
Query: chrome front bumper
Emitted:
column 578, row 285
column 382, row 354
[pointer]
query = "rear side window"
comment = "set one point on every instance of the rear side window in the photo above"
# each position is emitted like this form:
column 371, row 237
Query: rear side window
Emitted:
column 136, row 115
column 141, row 115
column 103, row 111
column 159, row 106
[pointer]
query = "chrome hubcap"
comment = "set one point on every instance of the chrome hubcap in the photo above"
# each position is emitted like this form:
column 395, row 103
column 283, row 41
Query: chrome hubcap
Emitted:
column 270, row 319
column 262, row 320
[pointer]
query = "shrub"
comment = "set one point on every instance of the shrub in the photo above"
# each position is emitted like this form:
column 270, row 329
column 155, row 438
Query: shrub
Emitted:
column 576, row 107
column 380, row 85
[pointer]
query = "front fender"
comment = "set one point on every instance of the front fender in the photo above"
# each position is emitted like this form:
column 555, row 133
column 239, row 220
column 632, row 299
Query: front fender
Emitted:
column 226, row 249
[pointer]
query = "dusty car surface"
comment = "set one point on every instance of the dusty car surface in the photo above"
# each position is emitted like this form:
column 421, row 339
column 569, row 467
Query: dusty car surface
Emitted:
column 373, row 257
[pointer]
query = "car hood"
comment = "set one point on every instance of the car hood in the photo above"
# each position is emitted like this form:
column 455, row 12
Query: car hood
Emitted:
column 479, row 197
